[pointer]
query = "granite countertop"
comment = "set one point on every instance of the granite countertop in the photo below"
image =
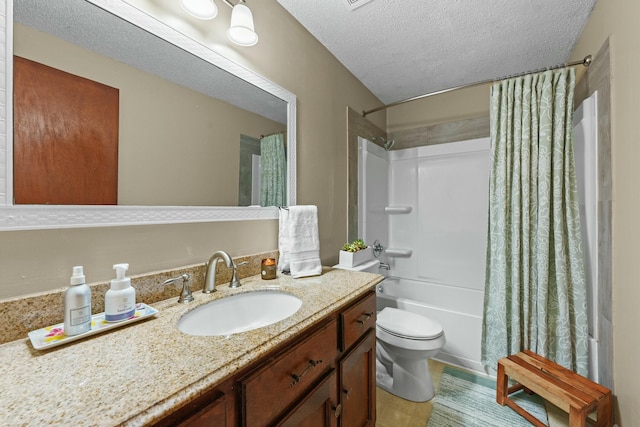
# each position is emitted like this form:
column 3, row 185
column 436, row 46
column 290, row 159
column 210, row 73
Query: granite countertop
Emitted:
column 136, row 374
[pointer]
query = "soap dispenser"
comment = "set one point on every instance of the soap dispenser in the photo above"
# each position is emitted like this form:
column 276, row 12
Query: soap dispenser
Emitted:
column 77, row 305
column 120, row 300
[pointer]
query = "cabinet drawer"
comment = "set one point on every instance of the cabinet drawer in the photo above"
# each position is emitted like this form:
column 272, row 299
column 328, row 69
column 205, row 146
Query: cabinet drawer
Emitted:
column 319, row 408
column 276, row 385
column 357, row 319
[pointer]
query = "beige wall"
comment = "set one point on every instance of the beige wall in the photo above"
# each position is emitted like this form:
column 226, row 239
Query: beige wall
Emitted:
column 457, row 105
column 286, row 54
column 619, row 19
column 171, row 139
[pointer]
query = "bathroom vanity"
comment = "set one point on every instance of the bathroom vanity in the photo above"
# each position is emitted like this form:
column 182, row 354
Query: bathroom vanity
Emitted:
column 316, row 367
column 324, row 376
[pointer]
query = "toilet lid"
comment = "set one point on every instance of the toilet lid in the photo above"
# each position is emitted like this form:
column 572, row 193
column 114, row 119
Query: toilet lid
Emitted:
column 405, row 324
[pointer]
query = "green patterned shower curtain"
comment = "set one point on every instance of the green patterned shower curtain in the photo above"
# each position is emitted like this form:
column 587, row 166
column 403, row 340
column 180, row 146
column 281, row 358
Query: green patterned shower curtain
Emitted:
column 535, row 290
column 273, row 175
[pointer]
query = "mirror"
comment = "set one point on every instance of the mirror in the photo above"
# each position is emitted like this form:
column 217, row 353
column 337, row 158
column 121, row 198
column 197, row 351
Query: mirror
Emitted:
column 245, row 106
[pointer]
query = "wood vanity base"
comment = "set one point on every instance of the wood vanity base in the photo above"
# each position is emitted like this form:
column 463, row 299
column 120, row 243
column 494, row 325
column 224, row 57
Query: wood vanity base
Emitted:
column 324, row 377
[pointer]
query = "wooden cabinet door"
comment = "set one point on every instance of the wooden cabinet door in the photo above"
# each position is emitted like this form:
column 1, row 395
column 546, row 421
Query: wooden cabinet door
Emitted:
column 319, row 408
column 212, row 409
column 214, row 414
column 358, row 383
column 357, row 319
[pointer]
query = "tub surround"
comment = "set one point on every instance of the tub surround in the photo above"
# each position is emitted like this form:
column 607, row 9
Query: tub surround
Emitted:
column 137, row 374
column 439, row 246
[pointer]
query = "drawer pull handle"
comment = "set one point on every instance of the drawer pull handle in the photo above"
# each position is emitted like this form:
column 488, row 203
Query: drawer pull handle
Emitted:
column 366, row 316
column 337, row 410
column 297, row 378
column 347, row 392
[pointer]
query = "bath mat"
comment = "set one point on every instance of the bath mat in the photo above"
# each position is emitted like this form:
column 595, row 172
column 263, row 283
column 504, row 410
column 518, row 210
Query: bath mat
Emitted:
column 467, row 400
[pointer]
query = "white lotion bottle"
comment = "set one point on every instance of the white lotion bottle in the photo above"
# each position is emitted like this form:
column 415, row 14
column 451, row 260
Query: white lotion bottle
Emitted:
column 77, row 305
column 120, row 300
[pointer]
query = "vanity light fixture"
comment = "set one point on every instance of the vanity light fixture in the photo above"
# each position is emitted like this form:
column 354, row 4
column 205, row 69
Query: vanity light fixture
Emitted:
column 241, row 30
column 201, row 9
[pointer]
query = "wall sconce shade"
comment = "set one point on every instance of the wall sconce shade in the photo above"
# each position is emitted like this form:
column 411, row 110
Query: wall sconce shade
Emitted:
column 201, row 9
column 241, row 30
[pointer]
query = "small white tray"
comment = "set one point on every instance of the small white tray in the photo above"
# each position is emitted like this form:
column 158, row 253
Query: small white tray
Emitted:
column 53, row 336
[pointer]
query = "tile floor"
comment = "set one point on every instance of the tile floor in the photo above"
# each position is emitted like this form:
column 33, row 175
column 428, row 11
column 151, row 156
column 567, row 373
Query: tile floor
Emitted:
column 393, row 411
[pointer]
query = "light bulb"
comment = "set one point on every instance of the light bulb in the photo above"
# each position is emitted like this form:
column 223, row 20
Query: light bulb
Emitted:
column 201, row 9
column 241, row 30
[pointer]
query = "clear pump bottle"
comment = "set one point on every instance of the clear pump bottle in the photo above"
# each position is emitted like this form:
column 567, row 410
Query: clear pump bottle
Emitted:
column 77, row 305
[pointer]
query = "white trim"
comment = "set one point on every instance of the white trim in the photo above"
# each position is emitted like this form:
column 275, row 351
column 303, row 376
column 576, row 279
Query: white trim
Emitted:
column 25, row 217
column 30, row 217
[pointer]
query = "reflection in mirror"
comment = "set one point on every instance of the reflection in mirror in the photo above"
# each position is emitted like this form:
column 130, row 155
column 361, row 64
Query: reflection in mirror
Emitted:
column 263, row 170
column 192, row 166
column 181, row 119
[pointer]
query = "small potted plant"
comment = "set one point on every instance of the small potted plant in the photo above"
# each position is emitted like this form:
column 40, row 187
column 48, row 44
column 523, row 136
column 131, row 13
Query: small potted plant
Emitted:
column 355, row 253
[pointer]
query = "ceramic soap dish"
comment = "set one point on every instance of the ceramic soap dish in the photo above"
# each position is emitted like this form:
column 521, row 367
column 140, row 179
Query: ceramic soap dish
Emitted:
column 53, row 336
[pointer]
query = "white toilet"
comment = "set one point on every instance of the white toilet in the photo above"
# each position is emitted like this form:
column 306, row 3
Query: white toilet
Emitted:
column 405, row 341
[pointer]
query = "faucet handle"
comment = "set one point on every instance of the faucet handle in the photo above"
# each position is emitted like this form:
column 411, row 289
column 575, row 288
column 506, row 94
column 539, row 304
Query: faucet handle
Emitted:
column 377, row 248
column 185, row 295
column 235, row 282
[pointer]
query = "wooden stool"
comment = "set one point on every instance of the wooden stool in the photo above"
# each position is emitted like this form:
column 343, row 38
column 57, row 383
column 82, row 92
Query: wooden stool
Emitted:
column 569, row 391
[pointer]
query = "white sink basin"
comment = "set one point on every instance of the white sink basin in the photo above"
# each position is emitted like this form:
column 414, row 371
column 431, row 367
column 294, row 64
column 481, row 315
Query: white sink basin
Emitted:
column 239, row 313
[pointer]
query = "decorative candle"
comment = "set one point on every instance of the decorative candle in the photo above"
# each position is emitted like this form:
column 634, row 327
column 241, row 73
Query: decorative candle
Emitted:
column 269, row 268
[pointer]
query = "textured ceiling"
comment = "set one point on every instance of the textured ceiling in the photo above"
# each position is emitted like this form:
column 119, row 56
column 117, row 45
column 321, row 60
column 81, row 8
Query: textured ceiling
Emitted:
column 404, row 48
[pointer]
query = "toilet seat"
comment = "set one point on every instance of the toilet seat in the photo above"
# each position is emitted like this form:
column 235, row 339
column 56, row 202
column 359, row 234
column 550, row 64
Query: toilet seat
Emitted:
column 406, row 337
column 407, row 325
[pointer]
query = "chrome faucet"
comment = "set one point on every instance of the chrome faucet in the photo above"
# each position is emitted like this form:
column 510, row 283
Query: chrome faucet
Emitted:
column 384, row 266
column 210, row 279
column 185, row 295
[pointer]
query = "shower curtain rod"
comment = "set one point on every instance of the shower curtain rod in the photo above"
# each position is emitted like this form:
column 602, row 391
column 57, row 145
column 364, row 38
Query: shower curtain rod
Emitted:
column 274, row 133
column 586, row 62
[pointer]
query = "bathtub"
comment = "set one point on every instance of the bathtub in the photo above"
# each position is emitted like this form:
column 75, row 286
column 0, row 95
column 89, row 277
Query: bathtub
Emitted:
column 458, row 310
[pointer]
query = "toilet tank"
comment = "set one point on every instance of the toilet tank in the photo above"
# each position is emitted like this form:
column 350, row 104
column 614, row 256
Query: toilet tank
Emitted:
column 370, row 266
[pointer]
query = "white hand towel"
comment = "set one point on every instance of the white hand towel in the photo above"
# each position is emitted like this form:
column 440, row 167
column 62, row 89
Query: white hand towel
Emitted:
column 303, row 242
column 284, row 243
